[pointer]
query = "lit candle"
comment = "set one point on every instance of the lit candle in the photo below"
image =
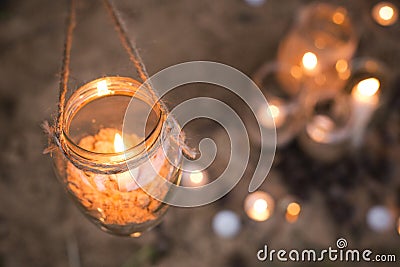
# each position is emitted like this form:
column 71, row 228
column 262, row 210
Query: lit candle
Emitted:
column 320, row 128
column 309, row 63
column 192, row 176
column 126, row 181
column 364, row 100
column 292, row 212
column 274, row 116
column 385, row 13
column 259, row 206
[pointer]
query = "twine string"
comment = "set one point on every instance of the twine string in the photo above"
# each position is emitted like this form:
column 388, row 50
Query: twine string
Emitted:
column 55, row 133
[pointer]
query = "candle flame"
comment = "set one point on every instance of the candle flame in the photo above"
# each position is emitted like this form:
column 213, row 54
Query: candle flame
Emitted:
column 102, row 88
column 274, row 111
column 368, row 87
column 260, row 205
column 386, row 12
column 118, row 143
column 310, row 61
column 196, row 177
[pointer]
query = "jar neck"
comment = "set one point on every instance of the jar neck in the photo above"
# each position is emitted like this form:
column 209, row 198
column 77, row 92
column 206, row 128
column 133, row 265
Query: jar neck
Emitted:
column 109, row 163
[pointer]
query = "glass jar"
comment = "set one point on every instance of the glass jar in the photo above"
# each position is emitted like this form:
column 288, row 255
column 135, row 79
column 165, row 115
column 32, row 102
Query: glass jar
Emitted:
column 318, row 49
column 102, row 162
column 327, row 133
column 287, row 110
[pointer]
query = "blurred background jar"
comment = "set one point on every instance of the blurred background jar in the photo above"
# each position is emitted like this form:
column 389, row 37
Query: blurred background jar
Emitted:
column 318, row 49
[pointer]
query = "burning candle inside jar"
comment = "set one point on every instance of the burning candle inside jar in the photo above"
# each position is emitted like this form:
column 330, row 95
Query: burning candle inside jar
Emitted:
column 365, row 100
column 98, row 192
column 259, row 206
column 117, row 173
column 284, row 111
column 309, row 63
column 385, row 13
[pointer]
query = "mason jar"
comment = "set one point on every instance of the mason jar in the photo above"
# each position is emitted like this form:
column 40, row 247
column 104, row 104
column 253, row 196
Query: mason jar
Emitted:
column 118, row 175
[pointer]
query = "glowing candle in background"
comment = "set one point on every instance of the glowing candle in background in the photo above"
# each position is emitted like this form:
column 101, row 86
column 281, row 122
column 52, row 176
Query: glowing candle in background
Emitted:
column 193, row 176
column 320, row 128
column 292, row 212
column 385, row 13
column 259, row 206
column 274, row 116
column 365, row 100
column 309, row 62
column 342, row 68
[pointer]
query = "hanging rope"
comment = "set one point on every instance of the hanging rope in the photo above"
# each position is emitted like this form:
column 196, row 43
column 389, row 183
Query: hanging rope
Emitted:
column 137, row 61
column 71, row 22
column 134, row 57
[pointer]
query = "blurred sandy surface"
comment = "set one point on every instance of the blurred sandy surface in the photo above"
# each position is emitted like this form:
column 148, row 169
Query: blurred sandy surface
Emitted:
column 39, row 226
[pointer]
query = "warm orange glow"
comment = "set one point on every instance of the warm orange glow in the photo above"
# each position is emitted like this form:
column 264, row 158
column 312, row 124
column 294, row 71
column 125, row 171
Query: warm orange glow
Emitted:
column 259, row 206
column 320, row 79
column 338, row 17
column 310, row 61
column 274, row 111
column 196, row 177
column 295, row 71
column 320, row 42
column 385, row 13
column 293, row 209
column 118, row 143
column 368, row 87
column 398, row 225
column 341, row 65
column 137, row 234
column 102, row 88
column 320, row 128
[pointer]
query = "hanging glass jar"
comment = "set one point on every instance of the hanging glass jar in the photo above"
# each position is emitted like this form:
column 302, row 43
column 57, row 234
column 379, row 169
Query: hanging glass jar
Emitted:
column 287, row 110
column 95, row 156
column 117, row 171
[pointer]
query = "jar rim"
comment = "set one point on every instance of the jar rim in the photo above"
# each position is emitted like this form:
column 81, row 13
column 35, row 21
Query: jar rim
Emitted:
column 115, row 86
